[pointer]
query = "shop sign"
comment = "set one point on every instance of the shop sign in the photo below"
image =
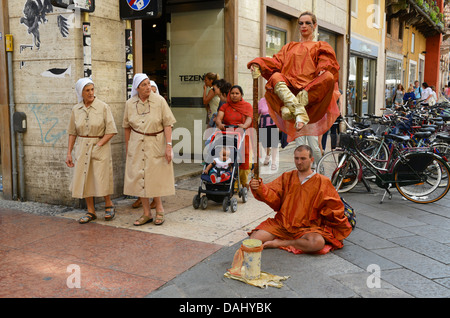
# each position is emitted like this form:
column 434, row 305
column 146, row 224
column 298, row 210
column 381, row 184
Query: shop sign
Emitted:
column 82, row 5
column 191, row 78
column 140, row 9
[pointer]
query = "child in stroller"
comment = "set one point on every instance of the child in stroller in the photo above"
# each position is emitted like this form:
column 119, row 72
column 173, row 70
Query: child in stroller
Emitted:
column 220, row 169
column 224, row 147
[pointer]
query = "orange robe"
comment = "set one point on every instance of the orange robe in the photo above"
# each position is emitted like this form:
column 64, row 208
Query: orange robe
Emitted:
column 314, row 206
column 298, row 65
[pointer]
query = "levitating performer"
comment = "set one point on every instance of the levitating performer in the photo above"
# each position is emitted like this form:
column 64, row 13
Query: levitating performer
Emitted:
column 302, row 88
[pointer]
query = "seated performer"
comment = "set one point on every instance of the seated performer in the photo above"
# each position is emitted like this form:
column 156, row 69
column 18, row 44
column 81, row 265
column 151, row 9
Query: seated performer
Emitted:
column 309, row 211
column 302, row 83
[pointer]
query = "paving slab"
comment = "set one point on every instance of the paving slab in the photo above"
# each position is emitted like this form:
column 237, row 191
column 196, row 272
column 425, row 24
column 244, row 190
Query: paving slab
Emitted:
column 415, row 284
column 188, row 255
column 415, row 262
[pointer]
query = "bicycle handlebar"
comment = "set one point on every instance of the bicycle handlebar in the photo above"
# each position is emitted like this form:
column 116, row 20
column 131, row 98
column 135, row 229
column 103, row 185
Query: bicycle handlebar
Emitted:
column 354, row 128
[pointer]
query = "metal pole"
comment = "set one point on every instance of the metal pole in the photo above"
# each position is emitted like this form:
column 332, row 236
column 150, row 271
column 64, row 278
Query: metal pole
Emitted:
column 129, row 57
column 256, row 127
column 87, row 58
column 349, row 41
column 9, row 54
column 21, row 167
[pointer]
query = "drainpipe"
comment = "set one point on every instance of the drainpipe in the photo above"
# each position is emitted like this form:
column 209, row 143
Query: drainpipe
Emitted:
column 129, row 57
column 9, row 52
column 87, row 59
column 349, row 41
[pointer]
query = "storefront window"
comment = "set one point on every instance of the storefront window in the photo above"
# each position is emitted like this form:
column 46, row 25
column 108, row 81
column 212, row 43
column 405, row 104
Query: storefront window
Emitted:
column 351, row 90
column 275, row 39
column 328, row 37
column 361, row 86
column 412, row 72
column 196, row 48
column 421, row 69
column 393, row 77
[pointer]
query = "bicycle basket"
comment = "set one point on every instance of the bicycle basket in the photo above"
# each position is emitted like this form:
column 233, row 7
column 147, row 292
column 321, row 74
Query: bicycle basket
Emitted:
column 347, row 141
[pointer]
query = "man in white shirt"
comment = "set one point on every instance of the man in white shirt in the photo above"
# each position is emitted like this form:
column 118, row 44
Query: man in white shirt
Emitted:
column 426, row 93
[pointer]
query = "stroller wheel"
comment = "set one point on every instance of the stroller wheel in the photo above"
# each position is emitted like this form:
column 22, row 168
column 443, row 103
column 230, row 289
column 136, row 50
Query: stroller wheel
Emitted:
column 243, row 193
column 196, row 201
column 204, row 202
column 233, row 205
column 226, row 204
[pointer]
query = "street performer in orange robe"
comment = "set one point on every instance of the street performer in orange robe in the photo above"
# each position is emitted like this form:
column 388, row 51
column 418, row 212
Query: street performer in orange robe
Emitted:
column 302, row 90
column 309, row 212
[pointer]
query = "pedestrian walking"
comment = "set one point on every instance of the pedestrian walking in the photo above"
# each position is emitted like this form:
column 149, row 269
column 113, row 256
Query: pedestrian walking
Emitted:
column 147, row 124
column 92, row 126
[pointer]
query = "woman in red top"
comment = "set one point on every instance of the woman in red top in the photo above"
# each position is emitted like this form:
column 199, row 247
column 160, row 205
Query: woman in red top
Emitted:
column 237, row 112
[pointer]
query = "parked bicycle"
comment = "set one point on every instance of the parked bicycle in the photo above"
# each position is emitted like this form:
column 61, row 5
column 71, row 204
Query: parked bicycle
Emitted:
column 419, row 174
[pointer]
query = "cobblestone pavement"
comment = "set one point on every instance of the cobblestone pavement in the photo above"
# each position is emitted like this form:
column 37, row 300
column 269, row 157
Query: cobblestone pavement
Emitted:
column 398, row 249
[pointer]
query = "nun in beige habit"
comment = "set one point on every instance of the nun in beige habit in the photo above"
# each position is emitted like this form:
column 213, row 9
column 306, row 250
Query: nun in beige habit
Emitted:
column 91, row 127
column 148, row 122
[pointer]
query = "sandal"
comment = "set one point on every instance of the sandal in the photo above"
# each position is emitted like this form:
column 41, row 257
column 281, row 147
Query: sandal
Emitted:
column 137, row 203
column 87, row 218
column 159, row 218
column 143, row 220
column 110, row 212
column 266, row 161
column 274, row 166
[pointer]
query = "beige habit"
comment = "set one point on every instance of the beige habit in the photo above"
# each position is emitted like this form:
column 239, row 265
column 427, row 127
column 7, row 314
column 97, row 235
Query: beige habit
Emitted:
column 147, row 172
column 93, row 174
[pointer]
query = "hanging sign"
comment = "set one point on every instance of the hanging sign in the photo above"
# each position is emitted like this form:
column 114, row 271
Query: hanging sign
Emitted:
column 140, row 9
column 82, row 5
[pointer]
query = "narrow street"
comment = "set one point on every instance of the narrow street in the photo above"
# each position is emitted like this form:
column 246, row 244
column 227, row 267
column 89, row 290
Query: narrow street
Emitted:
column 41, row 246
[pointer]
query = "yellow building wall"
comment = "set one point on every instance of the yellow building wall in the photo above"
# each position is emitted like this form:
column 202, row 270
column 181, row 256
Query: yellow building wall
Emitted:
column 362, row 24
column 419, row 47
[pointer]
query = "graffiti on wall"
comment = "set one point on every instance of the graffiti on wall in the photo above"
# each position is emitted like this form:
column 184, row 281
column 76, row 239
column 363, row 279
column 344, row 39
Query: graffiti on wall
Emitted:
column 35, row 12
column 57, row 72
column 47, row 123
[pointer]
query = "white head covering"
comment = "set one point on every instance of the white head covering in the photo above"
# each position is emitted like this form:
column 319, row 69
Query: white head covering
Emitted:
column 137, row 79
column 152, row 83
column 81, row 83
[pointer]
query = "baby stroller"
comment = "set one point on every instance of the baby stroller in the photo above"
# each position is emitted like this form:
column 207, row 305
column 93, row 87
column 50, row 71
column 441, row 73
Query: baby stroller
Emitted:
column 222, row 192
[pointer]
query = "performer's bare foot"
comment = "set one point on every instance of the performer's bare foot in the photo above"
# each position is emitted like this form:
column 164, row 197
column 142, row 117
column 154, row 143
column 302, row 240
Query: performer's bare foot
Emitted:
column 275, row 243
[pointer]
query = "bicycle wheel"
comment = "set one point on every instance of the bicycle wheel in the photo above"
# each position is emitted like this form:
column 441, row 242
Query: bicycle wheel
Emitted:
column 341, row 168
column 376, row 151
column 422, row 177
column 442, row 149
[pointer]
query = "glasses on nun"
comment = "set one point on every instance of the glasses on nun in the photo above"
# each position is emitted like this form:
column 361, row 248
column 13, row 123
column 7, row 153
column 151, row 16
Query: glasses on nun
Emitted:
column 144, row 112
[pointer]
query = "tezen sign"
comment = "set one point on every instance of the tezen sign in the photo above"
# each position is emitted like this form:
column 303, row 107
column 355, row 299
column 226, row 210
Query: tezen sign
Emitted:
column 83, row 5
column 140, row 9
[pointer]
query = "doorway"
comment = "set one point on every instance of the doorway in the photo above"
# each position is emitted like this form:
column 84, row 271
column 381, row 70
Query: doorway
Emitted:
column 155, row 52
column 361, row 90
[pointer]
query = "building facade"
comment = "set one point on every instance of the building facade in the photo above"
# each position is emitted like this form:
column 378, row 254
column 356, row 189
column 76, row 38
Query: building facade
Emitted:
column 175, row 46
column 414, row 30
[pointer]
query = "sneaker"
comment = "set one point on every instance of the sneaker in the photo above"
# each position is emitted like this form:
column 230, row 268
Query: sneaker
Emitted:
column 225, row 176
column 213, row 178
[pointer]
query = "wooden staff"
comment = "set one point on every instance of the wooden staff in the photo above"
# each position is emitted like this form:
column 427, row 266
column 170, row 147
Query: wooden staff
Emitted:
column 256, row 127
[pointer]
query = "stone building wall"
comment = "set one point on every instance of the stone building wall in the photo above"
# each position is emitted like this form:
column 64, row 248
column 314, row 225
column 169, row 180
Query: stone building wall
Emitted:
column 47, row 62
